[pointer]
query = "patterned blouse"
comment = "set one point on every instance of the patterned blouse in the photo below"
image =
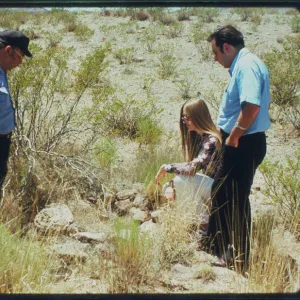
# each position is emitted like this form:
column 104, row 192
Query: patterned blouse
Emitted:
column 208, row 160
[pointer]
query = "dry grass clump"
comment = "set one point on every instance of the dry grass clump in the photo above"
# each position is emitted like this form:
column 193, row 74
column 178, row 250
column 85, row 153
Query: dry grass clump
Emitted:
column 206, row 273
column 24, row 264
column 132, row 263
column 174, row 238
column 271, row 271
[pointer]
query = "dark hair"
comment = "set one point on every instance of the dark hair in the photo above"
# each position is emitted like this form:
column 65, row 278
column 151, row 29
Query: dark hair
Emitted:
column 227, row 34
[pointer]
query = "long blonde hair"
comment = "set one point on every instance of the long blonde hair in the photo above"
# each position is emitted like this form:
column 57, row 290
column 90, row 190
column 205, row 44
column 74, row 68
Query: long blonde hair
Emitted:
column 199, row 114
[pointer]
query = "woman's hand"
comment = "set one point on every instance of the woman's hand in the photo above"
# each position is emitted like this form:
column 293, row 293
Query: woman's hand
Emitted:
column 160, row 174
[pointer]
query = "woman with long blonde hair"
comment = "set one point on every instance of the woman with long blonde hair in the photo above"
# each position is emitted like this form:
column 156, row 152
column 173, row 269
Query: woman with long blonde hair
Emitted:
column 201, row 146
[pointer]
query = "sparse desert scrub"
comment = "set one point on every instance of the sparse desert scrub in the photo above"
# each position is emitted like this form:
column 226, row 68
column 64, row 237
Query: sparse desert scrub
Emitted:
column 285, row 84
column 174, row 30
column 247, row 13
column 168, row 63
column 283, row 186
column 295, row 23
column 183, row 14
column 207, row 14
column 187, row 84
column 124, row 55
column 83, row 32
column 148, row 38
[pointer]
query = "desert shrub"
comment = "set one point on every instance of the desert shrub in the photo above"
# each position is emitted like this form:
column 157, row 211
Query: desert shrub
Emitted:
column 187, row 84
column 148, row 38
column 273, row 11
column 213, row 96
column 62, row 16
column 292, row 12
column 105, row 152
column 129, row 117
column 31, row 33
column 183, row 14
column 24, row 266
column 174, row 30
column 167, row 19
column 199, row 37
column 197, row 33
column 133, row 260
column 140, row 16
column 83, row 32
column 168, row 63
column 124, row 55
column 5, row 19
column 295, row 23
column 283, row 185
column 285, row 84
column 248, row 13
column 156, row 12
column 149, row 132
column 48, row 121
column 52, row 39
column 207, row 14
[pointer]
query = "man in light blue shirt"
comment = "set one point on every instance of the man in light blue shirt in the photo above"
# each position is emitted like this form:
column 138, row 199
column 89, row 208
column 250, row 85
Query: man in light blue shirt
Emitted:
column 243, row 119
column 13, row 47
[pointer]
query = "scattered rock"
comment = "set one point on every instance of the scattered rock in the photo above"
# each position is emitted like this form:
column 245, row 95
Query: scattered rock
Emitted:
column 91, row 237
column 123, row 206
column 141, row 202
column 56, row 217
column 156, row 214
column 70, row 252
column 139, row 215
column 126, row 194
column 149, row 227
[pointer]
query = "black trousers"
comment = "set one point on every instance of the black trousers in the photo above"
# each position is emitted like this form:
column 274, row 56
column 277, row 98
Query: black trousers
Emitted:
column 230, row 220
column 4, row 154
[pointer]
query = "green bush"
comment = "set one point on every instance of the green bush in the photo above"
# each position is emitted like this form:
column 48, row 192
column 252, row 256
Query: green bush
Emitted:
column 283, row 185
column 183, row 14
column 174, row 30
column 105, row 152
column 168, row 63
column 124, row 55
column 148, row 38
column 187, row 84
column 249, row 13
column 208, row 14
column 130, row 118
column 83, row 32
column 295, row 23
column 285, row 84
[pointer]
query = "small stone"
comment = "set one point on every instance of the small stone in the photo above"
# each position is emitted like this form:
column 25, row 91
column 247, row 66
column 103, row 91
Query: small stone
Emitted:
column 90, row 237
